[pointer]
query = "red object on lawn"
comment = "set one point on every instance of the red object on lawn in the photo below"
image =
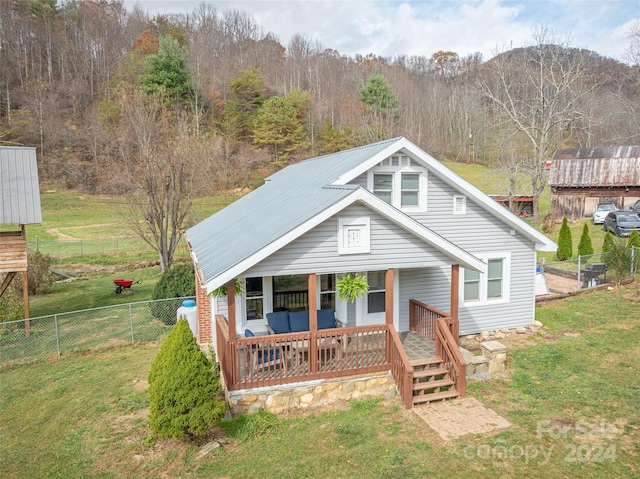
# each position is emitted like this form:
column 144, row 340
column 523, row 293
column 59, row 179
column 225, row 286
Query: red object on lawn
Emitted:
column 122, row 284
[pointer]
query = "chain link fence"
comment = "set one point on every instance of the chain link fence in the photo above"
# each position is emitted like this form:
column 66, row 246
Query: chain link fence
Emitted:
column 52, row 336
column 592, row 270
column 93, row 247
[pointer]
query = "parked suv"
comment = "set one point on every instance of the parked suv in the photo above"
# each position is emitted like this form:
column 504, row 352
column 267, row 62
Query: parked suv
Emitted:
column 601, row 210
column 620, row 223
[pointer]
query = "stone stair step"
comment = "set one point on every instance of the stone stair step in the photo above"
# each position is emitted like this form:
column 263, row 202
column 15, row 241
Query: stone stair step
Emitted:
column 432, row 384
column 425, row 398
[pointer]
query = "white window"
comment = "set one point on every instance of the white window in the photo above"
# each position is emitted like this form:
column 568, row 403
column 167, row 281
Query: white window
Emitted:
column 400, row 183
column 459, row 205
column 376, row 294
column 327, row 286
column 492, row 287
column 410, row 190
column 255, row 299
column 383, row 187
column 354, row 235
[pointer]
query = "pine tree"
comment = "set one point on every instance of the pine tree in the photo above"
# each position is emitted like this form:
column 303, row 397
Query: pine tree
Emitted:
column 585, row 247
column 634, row 239
column 183, row 388
column 607, row 244
column 565, row 242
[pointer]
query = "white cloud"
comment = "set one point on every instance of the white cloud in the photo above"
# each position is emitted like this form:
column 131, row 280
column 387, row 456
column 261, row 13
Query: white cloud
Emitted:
column 390, row 28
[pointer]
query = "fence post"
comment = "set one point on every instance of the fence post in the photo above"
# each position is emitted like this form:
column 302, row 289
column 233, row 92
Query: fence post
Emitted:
column 55, row 321
column 131, row 322
column 579, row 272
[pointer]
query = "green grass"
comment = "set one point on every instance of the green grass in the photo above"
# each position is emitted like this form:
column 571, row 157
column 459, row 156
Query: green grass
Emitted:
column 94, row 290
column 85, row 416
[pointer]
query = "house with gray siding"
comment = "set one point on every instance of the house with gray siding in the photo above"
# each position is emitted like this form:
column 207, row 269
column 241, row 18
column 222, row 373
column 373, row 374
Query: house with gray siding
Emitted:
column 430, row 245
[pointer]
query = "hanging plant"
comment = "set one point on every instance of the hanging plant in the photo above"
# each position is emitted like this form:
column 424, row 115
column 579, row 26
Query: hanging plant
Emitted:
column 221, row 292
column 352, row 286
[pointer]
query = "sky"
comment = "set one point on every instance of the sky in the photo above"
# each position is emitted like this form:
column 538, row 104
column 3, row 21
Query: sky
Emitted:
column 390, row 28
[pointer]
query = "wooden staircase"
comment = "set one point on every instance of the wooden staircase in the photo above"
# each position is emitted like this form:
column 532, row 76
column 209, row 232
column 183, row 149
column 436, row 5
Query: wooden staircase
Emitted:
column 431, row 381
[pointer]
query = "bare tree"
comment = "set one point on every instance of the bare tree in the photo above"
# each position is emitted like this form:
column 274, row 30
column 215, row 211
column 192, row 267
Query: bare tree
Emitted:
column 163, row 170
column 538, row 91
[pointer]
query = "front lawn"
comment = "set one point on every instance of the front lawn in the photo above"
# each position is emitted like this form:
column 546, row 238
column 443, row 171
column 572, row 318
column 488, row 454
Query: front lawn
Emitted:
column 572, row 400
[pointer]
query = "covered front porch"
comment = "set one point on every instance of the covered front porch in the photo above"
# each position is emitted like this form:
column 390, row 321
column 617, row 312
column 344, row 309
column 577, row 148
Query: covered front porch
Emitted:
column 425, row 362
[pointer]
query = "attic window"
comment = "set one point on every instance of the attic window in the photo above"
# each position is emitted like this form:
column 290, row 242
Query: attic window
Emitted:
column 354, row 235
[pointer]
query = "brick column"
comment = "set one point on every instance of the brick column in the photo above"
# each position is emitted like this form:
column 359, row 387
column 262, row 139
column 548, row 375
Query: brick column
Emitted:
column 203, row 303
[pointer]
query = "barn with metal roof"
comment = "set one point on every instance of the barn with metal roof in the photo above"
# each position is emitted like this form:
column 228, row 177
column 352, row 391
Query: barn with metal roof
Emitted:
column 580, row 178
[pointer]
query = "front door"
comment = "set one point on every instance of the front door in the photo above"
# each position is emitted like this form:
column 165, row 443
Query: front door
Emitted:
column 371, row 308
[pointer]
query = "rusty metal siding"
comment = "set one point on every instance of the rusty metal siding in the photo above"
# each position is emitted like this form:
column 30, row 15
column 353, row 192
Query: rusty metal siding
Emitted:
column 596, row 167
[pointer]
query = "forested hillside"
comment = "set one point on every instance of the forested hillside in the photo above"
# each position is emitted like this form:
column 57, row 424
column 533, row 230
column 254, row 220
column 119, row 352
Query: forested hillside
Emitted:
column 114, row 99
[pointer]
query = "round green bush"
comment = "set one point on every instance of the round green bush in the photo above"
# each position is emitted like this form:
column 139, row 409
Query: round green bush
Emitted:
column 184, row 390
column 176, row 282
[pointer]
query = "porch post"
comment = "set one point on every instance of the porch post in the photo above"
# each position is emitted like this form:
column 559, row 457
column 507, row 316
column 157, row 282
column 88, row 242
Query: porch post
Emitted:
column 388, row 296
column 231, row 310
column 453, row 308
column 313, row 323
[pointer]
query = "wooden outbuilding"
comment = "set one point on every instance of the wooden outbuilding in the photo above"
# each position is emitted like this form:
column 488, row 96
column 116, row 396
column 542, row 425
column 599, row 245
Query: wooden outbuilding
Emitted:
column 20, row 206
column 581, row 178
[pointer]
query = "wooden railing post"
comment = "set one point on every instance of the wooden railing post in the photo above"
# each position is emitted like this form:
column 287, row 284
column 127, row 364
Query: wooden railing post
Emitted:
column 455, row 281
column 313, row 324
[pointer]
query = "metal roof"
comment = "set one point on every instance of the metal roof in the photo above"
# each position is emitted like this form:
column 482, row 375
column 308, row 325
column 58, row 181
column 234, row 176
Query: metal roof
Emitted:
column 610, row 166
column 305, row 191
column 287, row 199
column 19, row 187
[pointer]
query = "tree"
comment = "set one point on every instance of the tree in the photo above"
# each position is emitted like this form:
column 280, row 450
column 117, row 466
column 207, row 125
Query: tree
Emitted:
column 539, row 91
column 183, row 388
column 607, row 243
column 381, row 106
column 585, row 247
column 166, row 74
column 164, row 169
column 634, row 239
column 565, row 243
column 278, row 126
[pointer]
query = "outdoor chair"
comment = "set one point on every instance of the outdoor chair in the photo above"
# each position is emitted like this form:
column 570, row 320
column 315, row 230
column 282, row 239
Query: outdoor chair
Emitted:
column 261, row 356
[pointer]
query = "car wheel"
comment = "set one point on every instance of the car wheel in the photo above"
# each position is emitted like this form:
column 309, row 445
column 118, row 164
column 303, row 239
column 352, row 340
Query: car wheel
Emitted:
column 617, row 231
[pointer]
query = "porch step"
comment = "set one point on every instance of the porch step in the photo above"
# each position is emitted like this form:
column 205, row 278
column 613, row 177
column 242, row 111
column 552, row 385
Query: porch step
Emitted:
column 439, row 383
column 431, row 381
column 419, row 363
column 425, row 373
column 426, row 398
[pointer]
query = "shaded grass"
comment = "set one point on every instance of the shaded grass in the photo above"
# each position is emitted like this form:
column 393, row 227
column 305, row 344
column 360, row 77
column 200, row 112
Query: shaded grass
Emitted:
column 92, row 411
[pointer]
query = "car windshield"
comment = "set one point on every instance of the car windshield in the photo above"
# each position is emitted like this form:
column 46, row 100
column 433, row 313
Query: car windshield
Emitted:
column 605, row 207
column 628, row 218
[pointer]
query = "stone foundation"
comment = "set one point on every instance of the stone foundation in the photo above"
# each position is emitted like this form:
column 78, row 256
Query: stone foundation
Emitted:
column 322, row 392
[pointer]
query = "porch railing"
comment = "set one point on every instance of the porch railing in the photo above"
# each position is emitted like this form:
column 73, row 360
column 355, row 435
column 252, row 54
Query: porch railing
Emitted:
column 287, row 358
column 401, row 369
column 422, row 319
column 447, row 349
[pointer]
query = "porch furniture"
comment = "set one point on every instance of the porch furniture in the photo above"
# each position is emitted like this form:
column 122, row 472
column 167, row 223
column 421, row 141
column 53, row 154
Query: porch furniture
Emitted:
column 283, row 322
column 262, row 356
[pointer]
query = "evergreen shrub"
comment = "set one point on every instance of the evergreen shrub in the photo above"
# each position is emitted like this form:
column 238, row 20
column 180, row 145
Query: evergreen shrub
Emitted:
column 565, row 242
column 176, row 282
column 585, row 247
column 184, row 389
